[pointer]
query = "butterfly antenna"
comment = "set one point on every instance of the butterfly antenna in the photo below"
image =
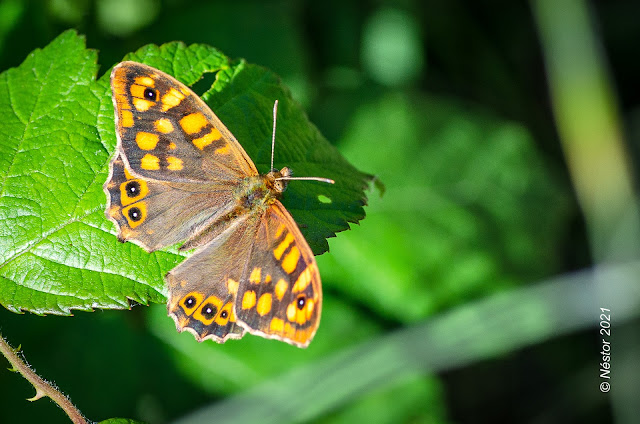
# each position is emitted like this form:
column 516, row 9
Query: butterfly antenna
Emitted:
column 273, row 143
column 273, row 136
column 322, row 180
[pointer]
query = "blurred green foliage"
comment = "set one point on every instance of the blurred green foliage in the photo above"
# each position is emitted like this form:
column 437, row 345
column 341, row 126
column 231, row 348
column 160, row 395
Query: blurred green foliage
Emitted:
column 447, row 104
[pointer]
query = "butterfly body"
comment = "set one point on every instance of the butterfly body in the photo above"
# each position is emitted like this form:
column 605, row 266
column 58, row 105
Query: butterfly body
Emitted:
column 179, row 175
column 256, row 193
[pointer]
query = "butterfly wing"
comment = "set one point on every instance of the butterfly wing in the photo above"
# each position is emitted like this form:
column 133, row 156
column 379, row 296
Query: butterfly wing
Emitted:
column 176, row 165
column 263, row 266
column 166, row 132
column 202, row 289
column 279, row 295
column 146, row 211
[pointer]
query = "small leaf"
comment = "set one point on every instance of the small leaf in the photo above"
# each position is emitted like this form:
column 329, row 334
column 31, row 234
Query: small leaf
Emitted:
column 58, row 252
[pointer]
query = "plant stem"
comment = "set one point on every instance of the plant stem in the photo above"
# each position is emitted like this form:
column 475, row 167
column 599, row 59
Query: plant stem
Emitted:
column 43, row 387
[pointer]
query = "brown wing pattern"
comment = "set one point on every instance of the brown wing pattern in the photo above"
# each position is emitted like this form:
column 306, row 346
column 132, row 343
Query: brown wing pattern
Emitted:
column 279, row 295
column 145, row 211
column 202, row 288
column 166, row 132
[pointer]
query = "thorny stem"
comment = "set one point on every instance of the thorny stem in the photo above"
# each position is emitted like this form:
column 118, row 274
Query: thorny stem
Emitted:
column 43, row 388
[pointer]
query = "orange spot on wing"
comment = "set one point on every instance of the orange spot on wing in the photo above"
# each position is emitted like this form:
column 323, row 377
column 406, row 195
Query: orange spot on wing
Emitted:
column 127, row 174
column 137, row 91
column 147, row 141
column 232, row 317
column 193, row 123
column 290, row 261
column 249, row 299
column 202, row 315
column 255, row 275
column 303, row 280
column 311, row 305
column 142, row 105
column 171, row 99
column 194, row 298
column 227, row 310
column 207, row 139
column 146, row 81
column 126, row 118
column 141, row 214
column 281, row 288
column 278, row 251
column 276, row 325
column 150, row 162
column 163, row 125
column 291, row 312
column 175, row 164
column 280, row 230
column 232, row 286
column 126, row 199
column 224, row 150
column 300, row 316
column 264, row 304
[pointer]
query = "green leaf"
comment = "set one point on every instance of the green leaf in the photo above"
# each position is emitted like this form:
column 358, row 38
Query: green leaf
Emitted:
column 58, row 252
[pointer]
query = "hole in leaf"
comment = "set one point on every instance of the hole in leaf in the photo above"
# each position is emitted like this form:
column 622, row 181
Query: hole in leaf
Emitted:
column 204, row 84
column 324, row 199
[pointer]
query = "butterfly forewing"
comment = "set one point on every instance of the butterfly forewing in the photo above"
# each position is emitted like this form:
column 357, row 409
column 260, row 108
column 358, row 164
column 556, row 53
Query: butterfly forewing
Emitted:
column 166, row 132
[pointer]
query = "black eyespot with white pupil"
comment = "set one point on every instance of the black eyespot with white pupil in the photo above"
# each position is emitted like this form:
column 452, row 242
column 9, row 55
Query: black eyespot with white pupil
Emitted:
column 209, row 311
column 135, row 214
column 300, row 302
column 190, row 301
column 224, row 314
column 133, row 188
column 150, row 94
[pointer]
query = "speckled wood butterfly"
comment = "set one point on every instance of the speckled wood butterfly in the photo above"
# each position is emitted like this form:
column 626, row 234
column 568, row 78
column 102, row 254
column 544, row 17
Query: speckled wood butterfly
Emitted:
column 178, row 174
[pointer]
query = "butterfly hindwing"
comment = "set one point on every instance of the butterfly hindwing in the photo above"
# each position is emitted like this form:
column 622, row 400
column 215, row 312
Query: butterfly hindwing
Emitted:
column 202, row 289
column 166, row 132
column 279, row 295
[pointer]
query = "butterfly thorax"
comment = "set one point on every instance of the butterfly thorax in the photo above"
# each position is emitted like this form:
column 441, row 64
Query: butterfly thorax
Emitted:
column 258, row 192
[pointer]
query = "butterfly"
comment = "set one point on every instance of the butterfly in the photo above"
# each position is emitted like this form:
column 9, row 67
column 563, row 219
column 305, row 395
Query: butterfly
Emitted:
column 179, row 175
